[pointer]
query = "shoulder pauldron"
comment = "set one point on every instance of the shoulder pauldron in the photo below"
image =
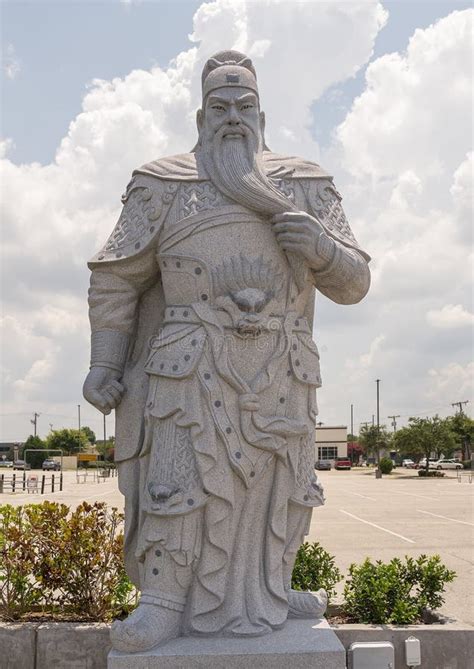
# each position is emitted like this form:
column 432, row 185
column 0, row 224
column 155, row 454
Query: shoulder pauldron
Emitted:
column 324, row 203
column 146, row 203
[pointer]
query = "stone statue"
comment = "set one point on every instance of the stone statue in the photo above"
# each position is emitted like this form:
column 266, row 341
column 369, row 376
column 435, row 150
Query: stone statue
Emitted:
column 201, row 309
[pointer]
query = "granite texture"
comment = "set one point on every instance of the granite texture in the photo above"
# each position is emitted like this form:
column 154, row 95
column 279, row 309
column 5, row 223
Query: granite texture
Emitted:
column 201, row 309
column 301, row 644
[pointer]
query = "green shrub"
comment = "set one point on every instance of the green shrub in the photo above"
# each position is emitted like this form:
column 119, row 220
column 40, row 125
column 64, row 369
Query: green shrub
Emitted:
column 395, row 592
column 315, row 568
column 467, row 464
column 19, row 592
column 53, row 559
column 386, row 465
column 432, row 473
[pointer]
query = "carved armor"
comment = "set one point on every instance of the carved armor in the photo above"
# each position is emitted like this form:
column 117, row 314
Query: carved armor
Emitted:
column 223, row 370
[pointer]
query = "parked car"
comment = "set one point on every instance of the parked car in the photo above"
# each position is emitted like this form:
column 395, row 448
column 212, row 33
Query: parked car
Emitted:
column 342, row 462
column 409, row 464
column 20, row 464
column 51, row 465
column 6, row 463
column 322, row 464
column 448, row 463
column 432, row 463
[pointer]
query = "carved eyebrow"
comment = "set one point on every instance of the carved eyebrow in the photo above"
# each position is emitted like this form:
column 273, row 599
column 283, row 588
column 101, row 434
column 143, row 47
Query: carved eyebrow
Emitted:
column 247, row 97
column 213, row 99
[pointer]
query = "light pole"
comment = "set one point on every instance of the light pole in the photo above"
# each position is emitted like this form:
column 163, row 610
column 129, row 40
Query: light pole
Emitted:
column 79, row 416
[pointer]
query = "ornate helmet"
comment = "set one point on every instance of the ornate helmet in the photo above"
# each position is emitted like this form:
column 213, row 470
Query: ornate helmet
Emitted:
column 228, row 68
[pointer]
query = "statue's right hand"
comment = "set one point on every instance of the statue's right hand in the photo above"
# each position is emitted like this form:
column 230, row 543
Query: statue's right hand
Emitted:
column 103, row 389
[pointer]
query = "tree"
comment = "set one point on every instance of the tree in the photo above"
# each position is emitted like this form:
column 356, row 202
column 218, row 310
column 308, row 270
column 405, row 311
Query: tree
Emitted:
column 463, row 428
column 69, row 441
column 35, row 460
column 106, row 450
column 424, row 436
column 372, row 439
column 90, row 434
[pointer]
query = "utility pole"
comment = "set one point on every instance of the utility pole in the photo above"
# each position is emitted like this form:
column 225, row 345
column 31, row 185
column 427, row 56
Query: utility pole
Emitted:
column 459, row 404
column 352, row 433
column 51, row 427
column 79, row 415
column 34, row 421
column 377, row 381
column 105, row 434
column 394, row 421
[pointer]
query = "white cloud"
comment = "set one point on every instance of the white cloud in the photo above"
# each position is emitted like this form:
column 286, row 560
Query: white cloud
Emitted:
column 415, row 105
column 450, row 316
column 452, row 381
column 405, row 147
column 403, row 157
column 56, row 216
column 366, row 363
column 10, row 62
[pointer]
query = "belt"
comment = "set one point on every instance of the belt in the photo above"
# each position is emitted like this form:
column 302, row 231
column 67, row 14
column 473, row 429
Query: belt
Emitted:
column 186, row 314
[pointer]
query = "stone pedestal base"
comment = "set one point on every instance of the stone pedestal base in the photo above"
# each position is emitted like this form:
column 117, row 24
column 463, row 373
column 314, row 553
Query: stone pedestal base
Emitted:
column 301, row 644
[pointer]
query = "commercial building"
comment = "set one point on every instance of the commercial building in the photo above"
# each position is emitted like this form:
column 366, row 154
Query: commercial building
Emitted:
column 331, row 442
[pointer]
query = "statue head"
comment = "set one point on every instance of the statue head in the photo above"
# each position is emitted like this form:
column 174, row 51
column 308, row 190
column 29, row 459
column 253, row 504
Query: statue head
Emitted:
column 230, row 101
column 231, row 133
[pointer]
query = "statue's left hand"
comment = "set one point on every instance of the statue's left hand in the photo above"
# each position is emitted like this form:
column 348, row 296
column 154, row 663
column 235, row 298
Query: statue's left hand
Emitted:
column 298, row 232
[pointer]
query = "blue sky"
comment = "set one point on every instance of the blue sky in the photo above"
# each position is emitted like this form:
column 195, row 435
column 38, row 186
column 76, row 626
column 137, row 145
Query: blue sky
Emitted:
column 379, row 92
column 62, row 46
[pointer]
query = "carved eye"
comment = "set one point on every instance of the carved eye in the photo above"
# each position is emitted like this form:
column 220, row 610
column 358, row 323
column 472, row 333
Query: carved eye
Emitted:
column 246, row 106
column 218, row 107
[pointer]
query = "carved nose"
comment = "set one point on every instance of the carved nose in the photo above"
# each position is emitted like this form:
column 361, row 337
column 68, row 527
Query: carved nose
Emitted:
column 233, row 117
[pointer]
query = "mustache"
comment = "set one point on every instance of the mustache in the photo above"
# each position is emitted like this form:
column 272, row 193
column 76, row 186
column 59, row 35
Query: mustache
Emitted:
column 242, row 129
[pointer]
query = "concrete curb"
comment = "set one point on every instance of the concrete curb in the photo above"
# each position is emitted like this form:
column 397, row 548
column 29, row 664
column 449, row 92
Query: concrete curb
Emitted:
column 86, row 645
column 442, row 646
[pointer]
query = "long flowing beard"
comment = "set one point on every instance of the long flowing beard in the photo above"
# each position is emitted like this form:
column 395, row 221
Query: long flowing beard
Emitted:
column 235, row 167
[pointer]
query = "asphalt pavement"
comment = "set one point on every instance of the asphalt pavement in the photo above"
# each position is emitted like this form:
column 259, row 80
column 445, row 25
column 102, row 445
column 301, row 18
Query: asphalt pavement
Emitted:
column 401, row 514
column 397, row 515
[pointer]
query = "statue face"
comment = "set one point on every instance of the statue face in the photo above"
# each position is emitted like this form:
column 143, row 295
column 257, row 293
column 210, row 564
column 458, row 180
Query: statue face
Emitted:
column 231, row 112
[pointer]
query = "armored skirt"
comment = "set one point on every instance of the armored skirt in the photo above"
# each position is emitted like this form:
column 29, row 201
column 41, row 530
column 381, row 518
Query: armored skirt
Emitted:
column 227, row 467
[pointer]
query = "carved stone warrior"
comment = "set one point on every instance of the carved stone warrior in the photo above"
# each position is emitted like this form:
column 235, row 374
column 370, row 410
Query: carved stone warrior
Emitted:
column 201, row 308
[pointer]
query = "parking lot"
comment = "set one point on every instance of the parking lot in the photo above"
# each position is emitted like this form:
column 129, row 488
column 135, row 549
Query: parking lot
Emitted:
column 397, row 515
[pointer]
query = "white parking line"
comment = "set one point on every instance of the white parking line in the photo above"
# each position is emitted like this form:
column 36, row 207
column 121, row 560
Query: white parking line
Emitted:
column 413, row 494
column 377, row 526
column 364, row 496
column 452, row 520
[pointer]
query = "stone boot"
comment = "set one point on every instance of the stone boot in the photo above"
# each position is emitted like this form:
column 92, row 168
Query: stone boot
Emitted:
column 307, row 604
column 148, row 626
